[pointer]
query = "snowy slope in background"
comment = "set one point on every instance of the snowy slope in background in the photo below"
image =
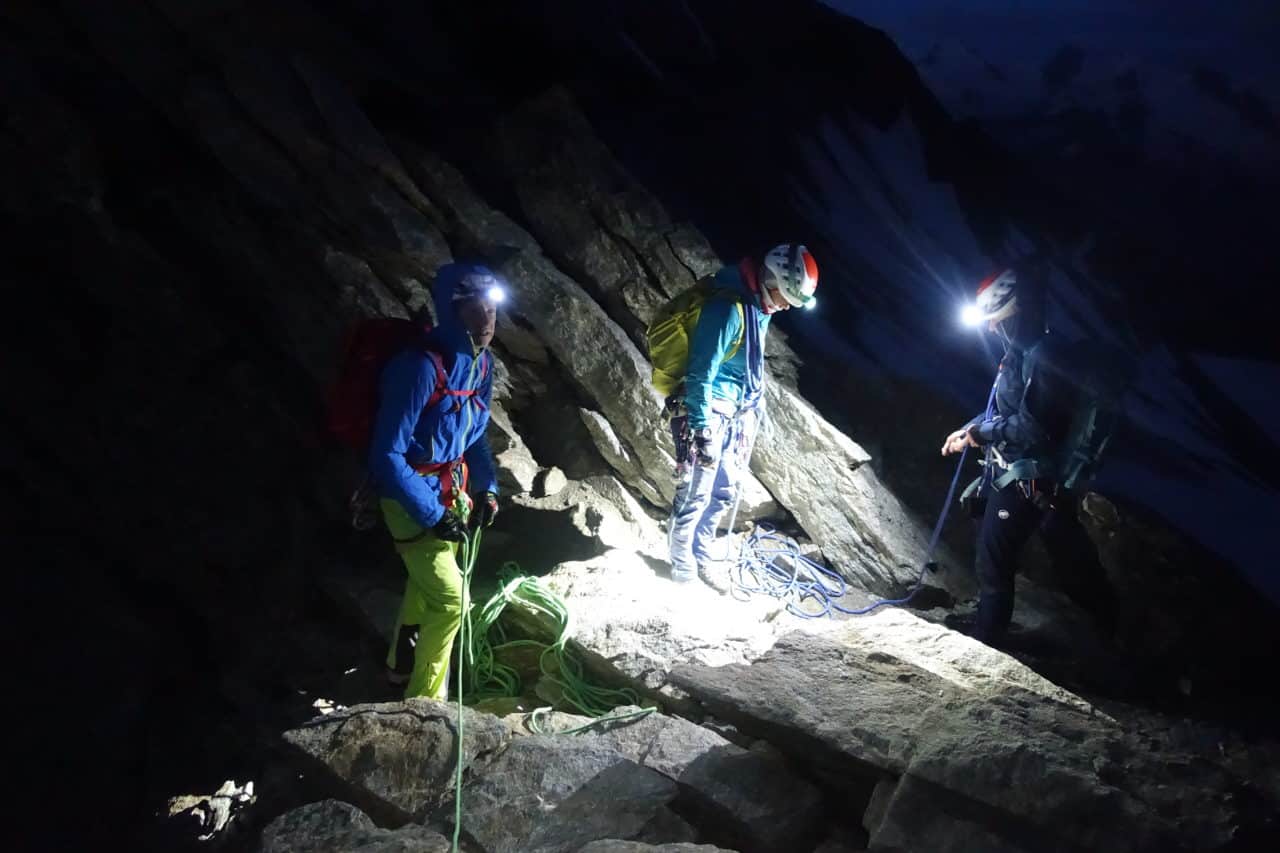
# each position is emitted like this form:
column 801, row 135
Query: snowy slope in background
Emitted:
column 1164, row 121
column 1010, row 57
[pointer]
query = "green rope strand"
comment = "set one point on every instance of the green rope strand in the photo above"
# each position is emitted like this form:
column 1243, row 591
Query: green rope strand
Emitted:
column 481, row 676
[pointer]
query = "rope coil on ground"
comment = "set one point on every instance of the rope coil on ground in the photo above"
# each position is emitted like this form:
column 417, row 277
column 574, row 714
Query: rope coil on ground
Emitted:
column 482, row 676
column 756, row 571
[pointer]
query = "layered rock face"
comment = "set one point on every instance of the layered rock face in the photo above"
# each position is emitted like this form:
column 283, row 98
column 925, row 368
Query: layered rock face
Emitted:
column 202, row 202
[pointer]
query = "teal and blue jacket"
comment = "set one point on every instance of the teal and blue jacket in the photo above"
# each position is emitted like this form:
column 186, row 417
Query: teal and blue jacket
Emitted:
column 710, row 375
column 406, row 434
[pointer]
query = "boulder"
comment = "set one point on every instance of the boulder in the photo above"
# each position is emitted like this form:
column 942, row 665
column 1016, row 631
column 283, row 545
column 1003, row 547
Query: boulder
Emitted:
column 965, row 750
column 553, row 794
column 820, row 475
column 396, row 759
column 551, row 482
column 615, row 452
column 334, row 825
column 748, row 799
column 603, row 511
column 516, row 467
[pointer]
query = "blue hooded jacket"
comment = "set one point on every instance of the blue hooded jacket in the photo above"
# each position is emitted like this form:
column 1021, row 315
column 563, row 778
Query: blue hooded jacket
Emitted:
column 406, row 434
column 710, row 375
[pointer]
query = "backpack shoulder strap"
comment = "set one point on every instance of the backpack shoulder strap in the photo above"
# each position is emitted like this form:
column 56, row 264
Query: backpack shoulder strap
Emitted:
column 442, row 377
column 731, row 295
column 742, row 330
column 1029, row 359
column 442, row 388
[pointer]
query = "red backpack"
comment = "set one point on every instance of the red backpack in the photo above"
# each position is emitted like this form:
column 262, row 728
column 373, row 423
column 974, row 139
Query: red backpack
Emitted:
column 352, row 400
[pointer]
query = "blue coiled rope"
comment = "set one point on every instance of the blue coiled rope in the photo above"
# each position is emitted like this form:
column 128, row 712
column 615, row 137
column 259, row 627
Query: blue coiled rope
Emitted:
column 756, row 572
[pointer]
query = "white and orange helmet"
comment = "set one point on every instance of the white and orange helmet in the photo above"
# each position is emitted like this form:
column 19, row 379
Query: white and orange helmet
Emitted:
column 791, row 269
column 997, row 297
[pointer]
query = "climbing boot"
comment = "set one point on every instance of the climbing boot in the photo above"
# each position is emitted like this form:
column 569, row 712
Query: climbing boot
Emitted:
column 716, row 575
column 406, row 645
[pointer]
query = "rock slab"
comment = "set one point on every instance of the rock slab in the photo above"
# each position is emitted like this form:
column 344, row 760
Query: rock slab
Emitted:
column 963, row 751
column 396, row 759
column 751, row 800
column 554, row 794
column 334, row 825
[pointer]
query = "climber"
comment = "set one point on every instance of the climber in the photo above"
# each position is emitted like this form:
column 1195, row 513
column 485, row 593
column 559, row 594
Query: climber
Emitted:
column 428, row 435
column 715, row 411
column 1029, row 422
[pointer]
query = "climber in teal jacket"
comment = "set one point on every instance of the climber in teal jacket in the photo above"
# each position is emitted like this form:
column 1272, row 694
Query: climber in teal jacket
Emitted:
column 725, row 362
column 723, row 392
column 428, row 452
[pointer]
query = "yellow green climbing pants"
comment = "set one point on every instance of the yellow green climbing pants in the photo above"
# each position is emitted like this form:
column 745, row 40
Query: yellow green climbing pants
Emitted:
column 433, row 600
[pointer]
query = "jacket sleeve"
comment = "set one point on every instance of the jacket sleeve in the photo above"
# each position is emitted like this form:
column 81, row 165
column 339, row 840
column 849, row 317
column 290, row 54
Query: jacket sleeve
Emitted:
column 479, row 457
column 719, row 326
column 406, row 385
column 1022, row 428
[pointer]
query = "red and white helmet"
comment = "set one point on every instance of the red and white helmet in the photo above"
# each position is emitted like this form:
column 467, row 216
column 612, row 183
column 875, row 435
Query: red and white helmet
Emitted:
column 791, row 270
column 997, row 297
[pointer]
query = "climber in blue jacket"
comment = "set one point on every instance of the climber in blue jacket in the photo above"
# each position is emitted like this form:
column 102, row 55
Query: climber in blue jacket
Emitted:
column 427, row 453
column 715, row 420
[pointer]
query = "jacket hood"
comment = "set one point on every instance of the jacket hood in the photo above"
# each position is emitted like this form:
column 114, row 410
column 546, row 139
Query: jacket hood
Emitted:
column 449, row 333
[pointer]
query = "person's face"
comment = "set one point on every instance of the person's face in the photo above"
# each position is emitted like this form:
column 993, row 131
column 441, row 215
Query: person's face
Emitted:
column 1002, row 327
column 479, row 317
column 779, row 301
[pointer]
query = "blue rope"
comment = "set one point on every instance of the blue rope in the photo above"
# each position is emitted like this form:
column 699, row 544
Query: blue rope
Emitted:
column 757, row 570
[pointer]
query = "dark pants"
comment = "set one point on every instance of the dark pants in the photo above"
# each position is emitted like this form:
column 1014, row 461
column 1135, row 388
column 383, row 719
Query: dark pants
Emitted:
column 1010, row 519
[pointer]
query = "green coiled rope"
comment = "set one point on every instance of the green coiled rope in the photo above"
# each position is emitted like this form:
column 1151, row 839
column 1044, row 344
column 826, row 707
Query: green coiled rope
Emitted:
column 482, row 676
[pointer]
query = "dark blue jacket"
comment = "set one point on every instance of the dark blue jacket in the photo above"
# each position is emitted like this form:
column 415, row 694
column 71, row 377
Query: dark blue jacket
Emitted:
column 1031, row 404
column 406, row 434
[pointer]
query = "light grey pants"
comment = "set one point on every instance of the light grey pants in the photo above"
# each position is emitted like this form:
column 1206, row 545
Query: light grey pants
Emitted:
column 703, row 494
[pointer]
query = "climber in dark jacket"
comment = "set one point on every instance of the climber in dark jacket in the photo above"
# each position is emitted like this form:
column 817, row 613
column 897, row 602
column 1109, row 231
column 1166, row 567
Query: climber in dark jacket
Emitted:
column 424, row 456
column 1029, row 418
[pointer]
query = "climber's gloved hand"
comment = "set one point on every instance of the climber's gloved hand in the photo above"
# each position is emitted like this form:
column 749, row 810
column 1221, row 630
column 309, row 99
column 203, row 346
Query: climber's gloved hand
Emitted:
column 450, row 528
column 703, row 450
column 485, row 510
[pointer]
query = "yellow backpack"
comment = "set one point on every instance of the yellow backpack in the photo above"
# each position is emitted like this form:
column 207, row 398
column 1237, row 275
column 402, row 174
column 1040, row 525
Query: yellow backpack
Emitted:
column 672, row 328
